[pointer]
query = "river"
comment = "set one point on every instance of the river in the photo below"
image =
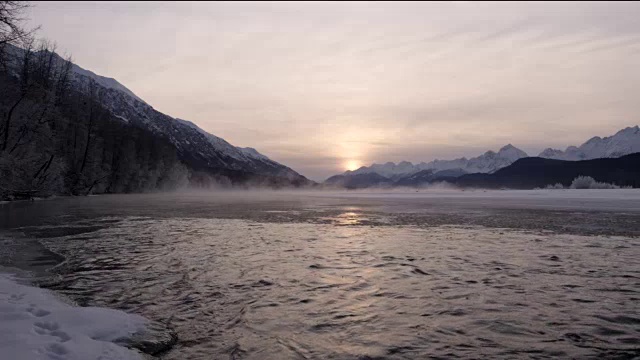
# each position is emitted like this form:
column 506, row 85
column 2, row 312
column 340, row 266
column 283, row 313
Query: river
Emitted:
column 350, row 275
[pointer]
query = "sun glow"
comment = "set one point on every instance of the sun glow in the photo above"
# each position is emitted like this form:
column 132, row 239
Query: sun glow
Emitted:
column 352, row 165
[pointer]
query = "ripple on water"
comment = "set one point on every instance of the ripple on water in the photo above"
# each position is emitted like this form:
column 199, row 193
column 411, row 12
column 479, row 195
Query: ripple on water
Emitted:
column 239, row 289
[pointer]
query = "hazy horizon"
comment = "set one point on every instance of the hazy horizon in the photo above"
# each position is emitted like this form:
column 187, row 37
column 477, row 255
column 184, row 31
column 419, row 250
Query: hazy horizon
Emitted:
column 321, row 87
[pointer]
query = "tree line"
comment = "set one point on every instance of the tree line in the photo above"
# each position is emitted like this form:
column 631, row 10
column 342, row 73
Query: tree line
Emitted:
column 56, row 138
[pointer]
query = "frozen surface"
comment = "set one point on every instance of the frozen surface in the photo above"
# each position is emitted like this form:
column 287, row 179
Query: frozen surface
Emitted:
column 35, row 324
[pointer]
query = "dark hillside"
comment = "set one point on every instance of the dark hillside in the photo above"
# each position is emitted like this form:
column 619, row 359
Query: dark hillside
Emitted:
column 532, row 172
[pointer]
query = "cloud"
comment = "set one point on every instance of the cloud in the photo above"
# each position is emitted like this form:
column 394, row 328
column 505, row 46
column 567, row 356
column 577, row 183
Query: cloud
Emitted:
column 315, row 84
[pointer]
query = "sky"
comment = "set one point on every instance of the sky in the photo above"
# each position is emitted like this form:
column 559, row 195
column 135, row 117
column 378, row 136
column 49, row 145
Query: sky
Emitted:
column 327, row 86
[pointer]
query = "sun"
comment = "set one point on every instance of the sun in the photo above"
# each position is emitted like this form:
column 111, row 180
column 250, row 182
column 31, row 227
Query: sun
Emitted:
column 352, row 165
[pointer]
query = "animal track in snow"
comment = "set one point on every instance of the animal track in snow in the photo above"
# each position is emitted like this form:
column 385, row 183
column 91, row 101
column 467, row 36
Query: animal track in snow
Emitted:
column 51, row 329
column 35, row 311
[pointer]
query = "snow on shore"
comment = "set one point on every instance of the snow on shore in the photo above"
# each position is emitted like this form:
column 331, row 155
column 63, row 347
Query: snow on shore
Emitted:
column 36, row 324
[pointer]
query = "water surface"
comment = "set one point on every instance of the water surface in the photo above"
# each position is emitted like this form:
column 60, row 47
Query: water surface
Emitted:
column 352, row 276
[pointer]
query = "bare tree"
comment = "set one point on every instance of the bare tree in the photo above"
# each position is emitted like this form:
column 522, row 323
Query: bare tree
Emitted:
column 57, row 136
column 11, row 19
column 92, row 105
column 24, row 90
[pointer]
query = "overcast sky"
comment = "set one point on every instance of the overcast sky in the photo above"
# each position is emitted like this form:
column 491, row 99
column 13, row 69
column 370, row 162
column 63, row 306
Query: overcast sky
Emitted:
column 318, row 86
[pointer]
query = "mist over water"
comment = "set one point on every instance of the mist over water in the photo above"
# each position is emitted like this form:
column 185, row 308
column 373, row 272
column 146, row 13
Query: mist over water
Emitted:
column 351, row 275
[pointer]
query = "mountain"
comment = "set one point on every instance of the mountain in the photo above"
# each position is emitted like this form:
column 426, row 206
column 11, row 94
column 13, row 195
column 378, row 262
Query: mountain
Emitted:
column 532, row 172
column 235, row 157
column 488, row 162
column 492, row 161
column 103, row 81
column 358, row 181
column 387, row 170
column 372, row 179
column 67, row 130
column 421, row 177
column 425, row 177
column 196, row 147
column 407, row 174
column 625, row 141
column 449, row 173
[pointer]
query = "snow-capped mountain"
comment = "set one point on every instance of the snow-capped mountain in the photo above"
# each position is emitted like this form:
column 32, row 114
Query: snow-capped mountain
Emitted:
column 624, row 142
column 485, row 163
column 253, row 153
column 238, row 153
column 388, row 170
column 104, row 81
column 358, row 181
column 196, row 147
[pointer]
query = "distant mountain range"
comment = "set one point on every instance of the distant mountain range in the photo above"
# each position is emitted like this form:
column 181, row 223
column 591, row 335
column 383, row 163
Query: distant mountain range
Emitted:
column 532, row 172
column 487, row 162
column 624, row 142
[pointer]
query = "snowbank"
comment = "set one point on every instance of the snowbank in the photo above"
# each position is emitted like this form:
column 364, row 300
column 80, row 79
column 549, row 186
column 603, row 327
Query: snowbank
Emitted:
column 35, row 324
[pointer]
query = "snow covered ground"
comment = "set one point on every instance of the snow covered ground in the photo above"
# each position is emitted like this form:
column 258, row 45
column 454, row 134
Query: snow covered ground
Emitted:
column 36, row 324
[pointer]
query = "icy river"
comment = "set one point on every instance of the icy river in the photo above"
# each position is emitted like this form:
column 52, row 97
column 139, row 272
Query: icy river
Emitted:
column 350, row 275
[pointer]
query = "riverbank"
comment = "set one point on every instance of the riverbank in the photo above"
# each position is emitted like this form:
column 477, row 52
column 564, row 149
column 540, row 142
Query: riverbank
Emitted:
column 37, row 324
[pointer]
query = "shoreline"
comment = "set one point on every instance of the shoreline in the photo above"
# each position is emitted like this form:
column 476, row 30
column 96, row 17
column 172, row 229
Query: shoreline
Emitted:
column 420, row 191
column 37, row 322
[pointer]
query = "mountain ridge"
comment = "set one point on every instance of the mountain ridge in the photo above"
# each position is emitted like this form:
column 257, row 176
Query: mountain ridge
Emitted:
column 486, row 162
column 623, row 142
column 532, row 172
column 205, row 149
column 68, row 131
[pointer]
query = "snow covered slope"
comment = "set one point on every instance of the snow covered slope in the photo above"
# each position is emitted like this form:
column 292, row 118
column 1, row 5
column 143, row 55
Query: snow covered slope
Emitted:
column 624, row 142
column 109, row 83
column 239, row 153
column 253, row 153
column 197, row 148
column 387, row 170
column 485, row 163
column 492, row 161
